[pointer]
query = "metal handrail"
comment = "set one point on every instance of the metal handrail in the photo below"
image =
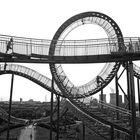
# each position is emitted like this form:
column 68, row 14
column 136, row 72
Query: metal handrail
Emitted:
column 70, row 47
column 31, row 73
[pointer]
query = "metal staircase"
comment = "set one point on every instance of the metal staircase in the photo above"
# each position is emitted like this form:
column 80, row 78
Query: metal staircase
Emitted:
column 30, row 74
column 100, row 119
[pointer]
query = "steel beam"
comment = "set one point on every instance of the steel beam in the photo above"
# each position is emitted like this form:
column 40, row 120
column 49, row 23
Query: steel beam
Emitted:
column 117, row 100
column 83, row 131
column 117, row 92
column 51, row 115
column 138, row 85
column 112, row 133
column 132, row 94
column 101, row 98
column 128, row 87
column 10, row 103
column 58, row 108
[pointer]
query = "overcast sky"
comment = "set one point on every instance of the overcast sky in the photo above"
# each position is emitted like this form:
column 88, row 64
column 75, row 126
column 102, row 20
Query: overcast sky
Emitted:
column 41, row 19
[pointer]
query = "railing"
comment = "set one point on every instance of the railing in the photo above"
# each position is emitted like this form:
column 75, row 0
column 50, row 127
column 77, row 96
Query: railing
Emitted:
column 96, row 47
column 89, row 121
column 136, row 70
column 30, row 46
column 47, row 82
column 114, row 114
column 100, row 126
column 31, row 74
column 91, row 85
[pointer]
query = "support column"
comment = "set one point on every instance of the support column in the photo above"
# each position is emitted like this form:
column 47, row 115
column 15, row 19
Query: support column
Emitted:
column 100, row 82
column 83, row 131
column 128, row 87
column 117, row 94
column 102, row 98
column 51, row 114
column 58, row 108
column 10, row 103
column 138, row 84
column 117, row 101
column 112, row 133
column 133, row 106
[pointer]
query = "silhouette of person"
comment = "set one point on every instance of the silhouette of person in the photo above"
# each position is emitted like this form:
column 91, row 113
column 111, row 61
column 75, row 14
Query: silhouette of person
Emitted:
column 123, row 48
column 99, row 79
column 9, row 45
column 137, row 49
column 130, row 47
column 5, row 66
column 31, row 136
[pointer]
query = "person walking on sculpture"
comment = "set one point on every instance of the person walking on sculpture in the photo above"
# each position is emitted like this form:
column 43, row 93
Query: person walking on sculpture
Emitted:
column 9, row 45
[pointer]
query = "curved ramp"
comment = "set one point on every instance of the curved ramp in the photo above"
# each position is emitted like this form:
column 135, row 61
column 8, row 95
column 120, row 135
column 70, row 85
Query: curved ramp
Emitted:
column 102, row 120
column 75, row 105
column 30, row 74
column 31, row 50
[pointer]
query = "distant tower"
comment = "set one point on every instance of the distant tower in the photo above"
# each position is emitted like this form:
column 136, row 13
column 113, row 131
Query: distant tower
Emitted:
column 125, row 100
column 21, row 100
column 120, row 99
column 113, row 99
column 104, row 97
